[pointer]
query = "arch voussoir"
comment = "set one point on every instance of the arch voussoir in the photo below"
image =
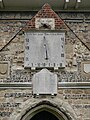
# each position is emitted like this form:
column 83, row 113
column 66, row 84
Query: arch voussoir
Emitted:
column 63, row 111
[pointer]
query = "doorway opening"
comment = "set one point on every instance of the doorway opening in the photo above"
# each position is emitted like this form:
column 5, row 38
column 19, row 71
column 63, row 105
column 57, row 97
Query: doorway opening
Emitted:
column 44, row 115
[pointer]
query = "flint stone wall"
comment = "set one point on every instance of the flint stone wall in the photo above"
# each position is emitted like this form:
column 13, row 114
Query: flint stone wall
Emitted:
column 11, row 100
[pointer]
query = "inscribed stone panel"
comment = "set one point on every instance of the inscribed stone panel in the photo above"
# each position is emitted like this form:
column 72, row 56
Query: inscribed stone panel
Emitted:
column 44, row 82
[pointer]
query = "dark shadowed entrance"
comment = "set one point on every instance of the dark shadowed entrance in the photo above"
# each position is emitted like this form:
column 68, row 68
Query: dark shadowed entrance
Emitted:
column 44, row 115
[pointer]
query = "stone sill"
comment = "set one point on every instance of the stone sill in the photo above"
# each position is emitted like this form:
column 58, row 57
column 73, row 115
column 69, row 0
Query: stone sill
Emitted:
column 61, row 85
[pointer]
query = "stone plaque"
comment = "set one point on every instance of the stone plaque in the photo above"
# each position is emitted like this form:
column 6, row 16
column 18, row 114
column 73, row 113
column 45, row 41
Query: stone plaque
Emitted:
column 4, row 69
column 44, row 82
column 44, row 49
column 85, row 68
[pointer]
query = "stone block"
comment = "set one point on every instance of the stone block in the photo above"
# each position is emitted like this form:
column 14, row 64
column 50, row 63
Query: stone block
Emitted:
column 44, row 82
column 77, row 91
column 69, row 50
column 86, row 91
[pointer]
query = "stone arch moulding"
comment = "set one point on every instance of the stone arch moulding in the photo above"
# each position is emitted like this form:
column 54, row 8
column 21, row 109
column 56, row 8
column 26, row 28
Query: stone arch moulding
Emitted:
column 61, row 111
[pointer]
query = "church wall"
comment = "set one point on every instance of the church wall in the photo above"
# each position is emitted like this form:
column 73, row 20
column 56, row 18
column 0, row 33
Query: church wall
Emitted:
column 12, row 64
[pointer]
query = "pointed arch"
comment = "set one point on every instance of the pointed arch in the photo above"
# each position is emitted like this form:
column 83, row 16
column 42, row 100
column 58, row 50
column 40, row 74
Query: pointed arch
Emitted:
column 45, row 106
column 58, row 108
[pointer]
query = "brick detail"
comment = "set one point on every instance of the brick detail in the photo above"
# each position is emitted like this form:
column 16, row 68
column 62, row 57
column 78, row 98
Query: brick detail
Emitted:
column 46, row 12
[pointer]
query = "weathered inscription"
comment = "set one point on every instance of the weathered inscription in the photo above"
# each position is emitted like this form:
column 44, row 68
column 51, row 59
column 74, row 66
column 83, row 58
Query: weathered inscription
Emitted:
column 17, row 95
column 86, row 106
column 76, row 96
column 44, row 82
column 9, row 105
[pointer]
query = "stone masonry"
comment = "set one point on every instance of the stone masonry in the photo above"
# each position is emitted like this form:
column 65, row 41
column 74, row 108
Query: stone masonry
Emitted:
column 12, row 62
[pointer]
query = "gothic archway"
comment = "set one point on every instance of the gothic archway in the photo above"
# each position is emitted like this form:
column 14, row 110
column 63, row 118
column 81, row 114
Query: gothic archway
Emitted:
column 56, row 109
column 45, row 108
